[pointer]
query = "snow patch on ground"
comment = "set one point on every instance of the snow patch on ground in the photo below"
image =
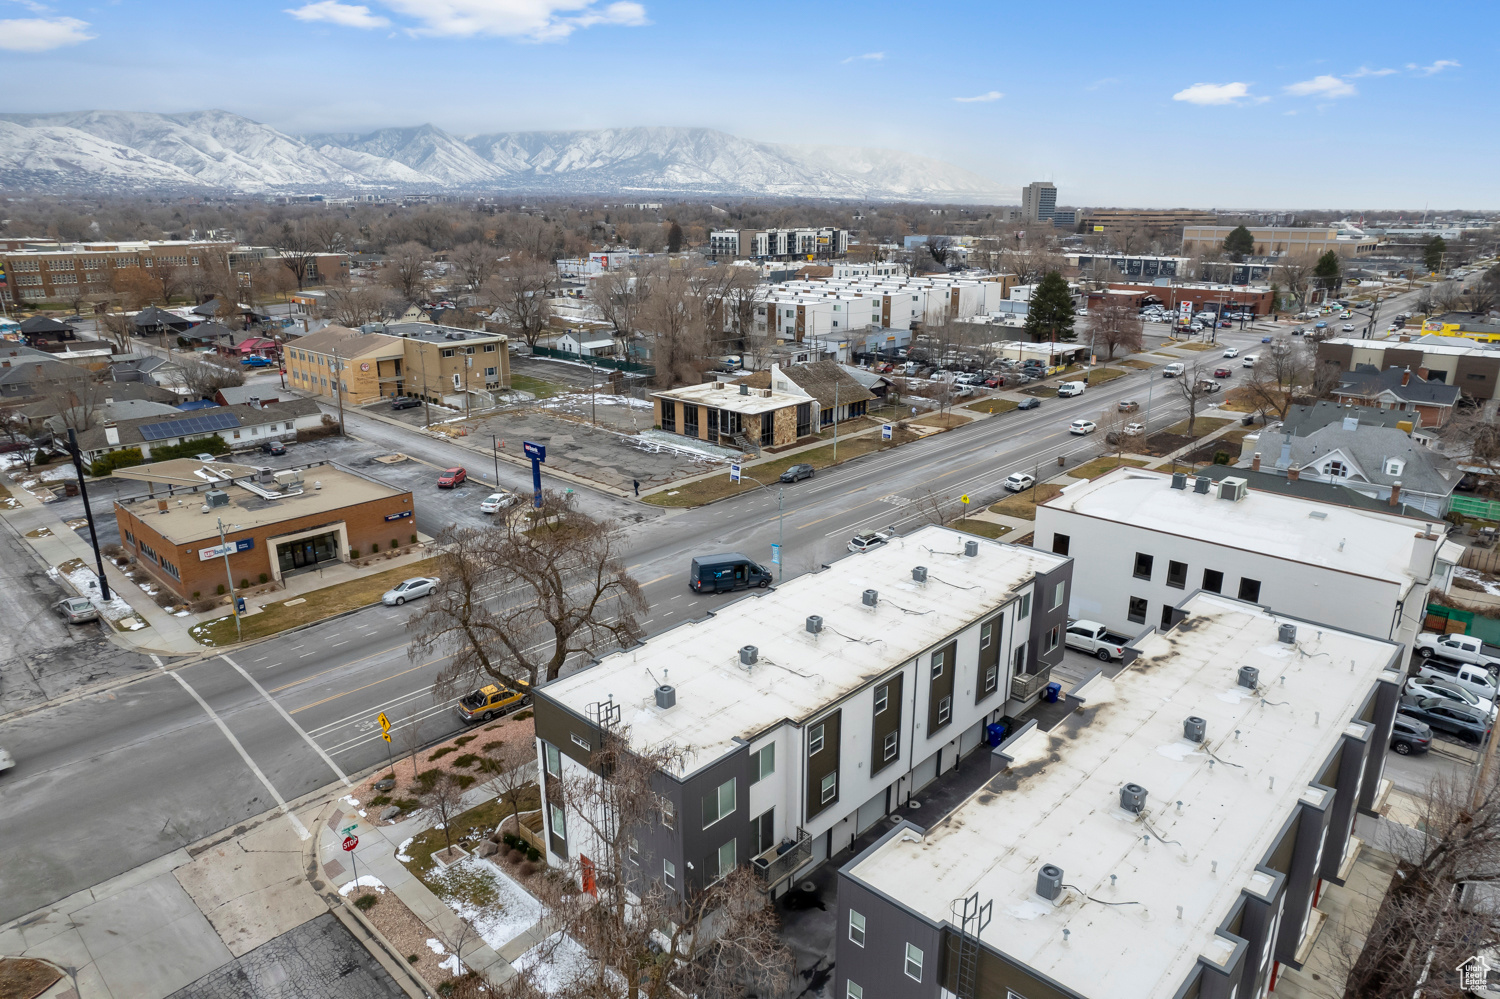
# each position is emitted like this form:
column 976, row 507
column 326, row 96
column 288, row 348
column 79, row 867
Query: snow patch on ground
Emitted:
column 451, row 963
column 1485, row 582
column 365, row 881
column 435, row 946
column 85, row 582
column 516, row 910
column 555, row 963
column 401, row 850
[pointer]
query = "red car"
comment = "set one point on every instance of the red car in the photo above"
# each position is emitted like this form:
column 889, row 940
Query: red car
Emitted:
column 1223, row 373
column 995, row 382
column 452, row 477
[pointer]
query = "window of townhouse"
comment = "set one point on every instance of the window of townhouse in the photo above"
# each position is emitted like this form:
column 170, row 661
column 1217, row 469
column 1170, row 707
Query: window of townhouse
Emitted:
column 1137, row 610
column 1143, row 563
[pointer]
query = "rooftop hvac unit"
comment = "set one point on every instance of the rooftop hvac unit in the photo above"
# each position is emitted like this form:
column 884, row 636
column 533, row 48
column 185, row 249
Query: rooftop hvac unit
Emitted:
column 1049, row 882
column 1249, row 677
column 870, row 598
column 1287, row 633
column 749, row 654
column 287, row 476
column 1194, row 729
column 1233, row 488
column 666, row 696
column 971, row 549
column 814, row 624
column 1133, row 798
column 217, row 498
column 919, row 573
column 1179, row 480
column 1201, row 484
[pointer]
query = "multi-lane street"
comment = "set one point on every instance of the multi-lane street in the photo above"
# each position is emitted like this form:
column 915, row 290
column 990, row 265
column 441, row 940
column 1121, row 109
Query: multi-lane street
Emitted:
column 108, row 781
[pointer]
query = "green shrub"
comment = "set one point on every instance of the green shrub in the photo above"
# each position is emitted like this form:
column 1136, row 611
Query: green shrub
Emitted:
column 1221, row 457
column 464, row 781
column 364, row 902
column 492, row 745
column 413, row 539
column 221, row 589
column 374, row 547
column 464, row 740
column 264, row 579
column 523, row 715
column 466, row 760
column 244, row 584
column 395, row 543
column 442, row 753
column 406, row 804
column 532, row 853
column 427, row 778
column 186, row 449
column 412, row 958
column 106, row 463
column 354, row 553
column 197, row 594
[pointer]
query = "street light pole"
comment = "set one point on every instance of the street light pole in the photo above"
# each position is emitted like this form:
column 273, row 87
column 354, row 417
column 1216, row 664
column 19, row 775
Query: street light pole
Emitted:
column 83, row 490
column 234, row 603
column 495, row 452
column 780, row 525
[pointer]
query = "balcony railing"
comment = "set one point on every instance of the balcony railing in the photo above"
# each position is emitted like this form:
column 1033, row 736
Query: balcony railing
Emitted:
column 782, row 860
column 1025, row 685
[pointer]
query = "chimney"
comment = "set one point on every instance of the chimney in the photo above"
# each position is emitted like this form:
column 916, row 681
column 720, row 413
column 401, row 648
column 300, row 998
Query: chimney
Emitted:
column 1406, row 377
column 1293, row 473
column 1255, row 462
column 1423, row 555
column 1396, row 493
column 1422, row 373
column 111, row 434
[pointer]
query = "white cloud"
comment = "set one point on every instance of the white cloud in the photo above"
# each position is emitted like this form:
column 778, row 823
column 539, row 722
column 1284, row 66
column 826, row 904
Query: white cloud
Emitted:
column 1436, row 67
column 871, row 56
column 985, row 98
column 38, row 34
column 1108, row 81
column 537, row 20
column 1322, row 86
column 1366, row 71
column 348, row 15
column 1215, row 93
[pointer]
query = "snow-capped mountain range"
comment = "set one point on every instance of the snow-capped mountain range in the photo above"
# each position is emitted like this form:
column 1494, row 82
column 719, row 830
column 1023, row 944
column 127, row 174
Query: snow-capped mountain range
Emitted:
column 132, row 150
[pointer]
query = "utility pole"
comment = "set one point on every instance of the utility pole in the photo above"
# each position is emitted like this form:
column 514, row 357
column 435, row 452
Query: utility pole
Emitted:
column 338, row 391
column 835, row 419
column 234, row 602
column 495, row 453
column 83, row 491
column 468, row 363
column 426, row 406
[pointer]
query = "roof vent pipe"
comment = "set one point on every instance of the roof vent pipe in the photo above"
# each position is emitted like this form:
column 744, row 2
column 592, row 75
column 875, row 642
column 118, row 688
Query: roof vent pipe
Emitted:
column 971, row 549
column 1049, row 882
column 870, row 598
column 1287, row 634
column 749, row 654
column 1133, row 798
column 919, row 573
column 1194, row 729
column 814, row 624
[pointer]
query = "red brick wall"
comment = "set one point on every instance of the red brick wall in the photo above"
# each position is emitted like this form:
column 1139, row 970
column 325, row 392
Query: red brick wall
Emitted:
column 365, row 524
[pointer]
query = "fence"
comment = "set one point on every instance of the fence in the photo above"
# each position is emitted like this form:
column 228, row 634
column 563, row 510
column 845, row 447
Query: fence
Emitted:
column 611, row 363
column 1451, row 620
column 1481, row 560
column 1471, row 506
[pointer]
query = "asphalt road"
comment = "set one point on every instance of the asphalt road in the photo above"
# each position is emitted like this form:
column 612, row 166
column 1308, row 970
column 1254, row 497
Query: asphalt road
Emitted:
column 107, row 782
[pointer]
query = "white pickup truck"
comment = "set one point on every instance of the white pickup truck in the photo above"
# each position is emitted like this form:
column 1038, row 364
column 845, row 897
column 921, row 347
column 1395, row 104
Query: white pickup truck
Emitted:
column 1460, row 648
column 1095, row 639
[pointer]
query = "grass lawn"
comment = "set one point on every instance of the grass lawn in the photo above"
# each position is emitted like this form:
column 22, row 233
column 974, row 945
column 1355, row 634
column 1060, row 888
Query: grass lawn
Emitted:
column 1137, row 364
column 1197, row 346
column 330, row 600
column 1097, row 467
column 536, row 386
column 481, row 820
column 992, row 405
column 1203, row 426
column 947, row 420
column 1042, row 391
column 1102, row 375
column 1023, row 505
column 717, row 486
column 983, row 528
column 1157, row 353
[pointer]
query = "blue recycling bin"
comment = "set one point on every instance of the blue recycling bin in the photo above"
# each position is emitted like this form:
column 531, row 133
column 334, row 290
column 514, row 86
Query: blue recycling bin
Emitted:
column 1053, row 689
column 994, row 733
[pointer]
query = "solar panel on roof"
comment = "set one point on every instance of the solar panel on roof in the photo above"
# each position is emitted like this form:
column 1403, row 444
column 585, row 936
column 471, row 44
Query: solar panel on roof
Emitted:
column 208, row 423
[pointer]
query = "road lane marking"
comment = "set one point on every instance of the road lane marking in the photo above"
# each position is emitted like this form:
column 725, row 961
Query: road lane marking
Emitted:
column 288, row 718
column 335, row 669
column 306, row 654
column 337, row 644
column 373, row 683
column 658, row 579
column 301, row 829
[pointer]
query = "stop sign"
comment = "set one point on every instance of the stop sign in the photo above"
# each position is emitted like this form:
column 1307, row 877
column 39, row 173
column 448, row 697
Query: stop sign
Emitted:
column 350, row 842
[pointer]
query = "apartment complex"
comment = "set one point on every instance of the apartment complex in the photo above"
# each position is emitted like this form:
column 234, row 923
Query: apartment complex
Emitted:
column 441, row 364
column 1038, row 201
column 756, row 243
column 1473, row 369
column 1273, row 241
column 814, row 308
column 808, row 712
column 1168, row 839
column 1159, row 221
column 1143, row 539
column 59, row 272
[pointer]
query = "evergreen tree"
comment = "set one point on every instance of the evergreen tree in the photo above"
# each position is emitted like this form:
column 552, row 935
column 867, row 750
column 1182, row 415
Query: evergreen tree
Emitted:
column 674, row 238
column 1049, row 314
column 1239, row 244
column 1432, row 255
column 1327, row 271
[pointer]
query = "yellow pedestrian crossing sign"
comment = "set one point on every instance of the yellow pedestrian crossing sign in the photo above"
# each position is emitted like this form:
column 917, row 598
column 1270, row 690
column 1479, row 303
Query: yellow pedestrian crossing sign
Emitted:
column 385, row 727
column 964, row 499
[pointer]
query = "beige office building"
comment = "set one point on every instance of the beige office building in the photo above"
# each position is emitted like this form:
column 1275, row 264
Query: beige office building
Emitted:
column 1278, row 241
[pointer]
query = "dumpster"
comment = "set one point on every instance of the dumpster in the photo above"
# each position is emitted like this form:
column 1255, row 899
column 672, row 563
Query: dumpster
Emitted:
column 994, row 733
column 1053, row 689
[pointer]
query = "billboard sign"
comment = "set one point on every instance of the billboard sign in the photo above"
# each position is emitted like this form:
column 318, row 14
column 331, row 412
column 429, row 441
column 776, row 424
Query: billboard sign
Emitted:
column 228, row 548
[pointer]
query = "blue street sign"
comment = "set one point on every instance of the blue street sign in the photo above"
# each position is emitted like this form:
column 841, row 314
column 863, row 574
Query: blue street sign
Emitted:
column 775, row 553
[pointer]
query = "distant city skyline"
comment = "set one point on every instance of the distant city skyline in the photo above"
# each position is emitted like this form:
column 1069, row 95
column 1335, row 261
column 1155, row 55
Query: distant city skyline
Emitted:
column 1306, row 107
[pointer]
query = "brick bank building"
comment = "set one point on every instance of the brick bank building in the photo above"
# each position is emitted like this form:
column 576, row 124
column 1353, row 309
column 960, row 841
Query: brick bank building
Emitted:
column 276, row 523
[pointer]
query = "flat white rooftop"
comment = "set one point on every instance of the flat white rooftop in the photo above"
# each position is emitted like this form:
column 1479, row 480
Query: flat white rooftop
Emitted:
column 798, row 673
column 726, row 395
column 1340, row 538
column 1059, row 803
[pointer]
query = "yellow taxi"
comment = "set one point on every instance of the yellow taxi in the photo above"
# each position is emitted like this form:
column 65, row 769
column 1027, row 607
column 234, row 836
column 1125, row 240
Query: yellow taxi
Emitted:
column 491, row 701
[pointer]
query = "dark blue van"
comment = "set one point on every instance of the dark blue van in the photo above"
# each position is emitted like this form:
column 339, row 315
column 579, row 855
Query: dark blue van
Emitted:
column 722, row 573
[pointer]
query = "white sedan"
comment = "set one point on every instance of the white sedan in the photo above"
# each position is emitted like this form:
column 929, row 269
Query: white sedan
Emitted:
column 495, row 502
column 409, row 589
column 1081, row 427
column 1248, row 362
column 1232, row 352
column 1018, row 482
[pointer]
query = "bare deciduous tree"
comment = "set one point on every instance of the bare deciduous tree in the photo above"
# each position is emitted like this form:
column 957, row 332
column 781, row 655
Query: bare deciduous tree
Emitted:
column 443, row 799
column 474, row 263
column 565, row 587
column 520, row 294
column 1193, row 387
column 1474, row 437
column 295, row 245
column 406, row 270
column 1116, row 325
column 510, row 766
column 1278, row 371
column 204, row 376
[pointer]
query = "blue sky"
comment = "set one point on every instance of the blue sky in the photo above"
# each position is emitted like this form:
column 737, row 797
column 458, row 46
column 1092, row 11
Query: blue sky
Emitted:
column 1277, row 104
